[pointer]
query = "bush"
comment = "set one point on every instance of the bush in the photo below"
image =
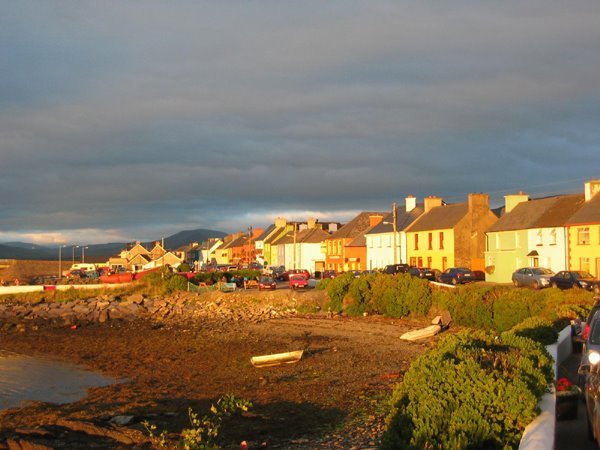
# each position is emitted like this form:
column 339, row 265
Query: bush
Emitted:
column 475, row 391
column 538, row 329
column 184, row 267
column 337, row 290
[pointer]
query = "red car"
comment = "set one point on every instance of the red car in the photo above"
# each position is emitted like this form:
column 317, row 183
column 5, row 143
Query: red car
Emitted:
column 298, row 280
column 266, row 283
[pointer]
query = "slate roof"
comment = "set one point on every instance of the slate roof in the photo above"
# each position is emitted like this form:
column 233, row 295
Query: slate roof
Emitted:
column 440, row 218
column 588, row 213
column 356, row 226
column 266, row 233
column 403, row 220
column 540, row 213
column 308, row 236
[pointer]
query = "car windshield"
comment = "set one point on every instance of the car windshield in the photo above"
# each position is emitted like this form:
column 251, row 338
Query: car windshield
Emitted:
column 541, row 271
column 582, row 274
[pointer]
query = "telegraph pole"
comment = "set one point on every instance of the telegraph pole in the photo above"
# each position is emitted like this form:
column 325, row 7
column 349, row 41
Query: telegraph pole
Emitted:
column 395, row 232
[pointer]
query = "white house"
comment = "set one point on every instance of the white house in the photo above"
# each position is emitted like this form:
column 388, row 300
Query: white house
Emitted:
column 383, row 248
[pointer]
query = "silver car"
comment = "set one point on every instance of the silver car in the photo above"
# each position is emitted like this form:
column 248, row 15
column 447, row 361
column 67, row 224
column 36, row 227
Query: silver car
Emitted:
column 535, row 277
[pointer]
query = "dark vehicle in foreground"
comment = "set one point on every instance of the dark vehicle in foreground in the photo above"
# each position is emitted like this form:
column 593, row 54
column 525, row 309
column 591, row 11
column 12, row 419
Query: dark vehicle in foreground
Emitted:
column 535, row 277
column 585, row 326
column 567, row 279
column 456, row 275
column 423, row 272
column 393, row 269
column 590, row 369
column 267, row 283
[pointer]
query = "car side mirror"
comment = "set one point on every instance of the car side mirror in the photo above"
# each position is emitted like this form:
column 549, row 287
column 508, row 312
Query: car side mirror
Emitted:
column 584, row 369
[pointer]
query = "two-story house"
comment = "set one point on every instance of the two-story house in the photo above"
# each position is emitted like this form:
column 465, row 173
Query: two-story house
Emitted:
column 530, row 233
column 339, row 256
column 450, row 235
column 386, row 242
column 583, row 232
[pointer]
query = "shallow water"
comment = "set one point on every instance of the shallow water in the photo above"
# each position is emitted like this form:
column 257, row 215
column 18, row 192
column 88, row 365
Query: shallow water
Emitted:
column 24, row 378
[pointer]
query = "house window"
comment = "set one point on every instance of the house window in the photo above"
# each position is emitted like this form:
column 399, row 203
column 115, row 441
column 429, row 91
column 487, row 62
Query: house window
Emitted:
column 430, row 240
column 553, row 236
column 538, row 238
column 584, row 264
column 416, row 242
column 413, row 261
column 420, row 262
column 583, row 236
column 441, row 240
column 444, row 263
column 429, row 262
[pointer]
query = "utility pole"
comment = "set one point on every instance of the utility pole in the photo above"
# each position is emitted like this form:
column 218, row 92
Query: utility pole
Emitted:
column 294, row 247
column 395, row 232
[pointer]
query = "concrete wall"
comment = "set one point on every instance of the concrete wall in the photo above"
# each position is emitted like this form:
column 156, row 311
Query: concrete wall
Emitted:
column 539, row 434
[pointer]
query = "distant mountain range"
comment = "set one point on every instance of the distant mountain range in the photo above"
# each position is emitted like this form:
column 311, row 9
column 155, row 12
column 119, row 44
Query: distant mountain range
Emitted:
column 25, row 250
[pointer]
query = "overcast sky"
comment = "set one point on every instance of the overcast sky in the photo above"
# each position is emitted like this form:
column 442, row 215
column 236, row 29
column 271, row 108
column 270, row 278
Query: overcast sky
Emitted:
column 123, row 120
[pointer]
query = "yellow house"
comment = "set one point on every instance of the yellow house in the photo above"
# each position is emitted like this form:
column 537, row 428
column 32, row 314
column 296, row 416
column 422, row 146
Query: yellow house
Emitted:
column 583, row 230
column 450, row 235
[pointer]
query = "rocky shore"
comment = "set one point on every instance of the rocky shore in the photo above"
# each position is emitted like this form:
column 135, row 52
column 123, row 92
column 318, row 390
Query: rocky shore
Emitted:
column 184, row 307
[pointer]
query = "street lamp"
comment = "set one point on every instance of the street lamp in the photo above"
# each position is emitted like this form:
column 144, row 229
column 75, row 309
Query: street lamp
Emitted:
column 83, row 254
column 60, row 247
column 73, row 254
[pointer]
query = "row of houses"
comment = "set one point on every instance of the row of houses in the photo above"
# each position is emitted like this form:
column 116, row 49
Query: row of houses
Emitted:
column 558, row 232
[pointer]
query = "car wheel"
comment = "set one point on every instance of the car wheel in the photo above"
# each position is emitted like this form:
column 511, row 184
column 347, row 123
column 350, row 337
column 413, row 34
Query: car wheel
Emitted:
column 454, row 281
column 516, row 283
column 597, row 289
column 554, row 285
column 536, row 285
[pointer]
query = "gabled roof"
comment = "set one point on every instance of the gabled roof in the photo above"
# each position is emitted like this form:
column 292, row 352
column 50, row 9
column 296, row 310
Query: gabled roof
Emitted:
column 237, row 242
column 440, row 218
column 540, row 213
column 308, row 236
column 275, row 235
column 588, row 213
column 356, row 226
column 265, row 234
column 403, row 220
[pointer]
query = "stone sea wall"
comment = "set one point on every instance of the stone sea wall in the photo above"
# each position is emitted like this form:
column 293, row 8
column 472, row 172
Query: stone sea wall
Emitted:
column 182, row 307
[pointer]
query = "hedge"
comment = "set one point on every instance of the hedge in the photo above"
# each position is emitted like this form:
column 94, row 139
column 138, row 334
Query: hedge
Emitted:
column 476, row 390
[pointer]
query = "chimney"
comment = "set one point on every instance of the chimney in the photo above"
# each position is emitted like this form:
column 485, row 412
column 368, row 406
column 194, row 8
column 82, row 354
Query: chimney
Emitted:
column 478, row 200
column 592, row 187
column 512, row 200
column 312, row 223
column 375, row 219
column 280, row 222
column 411, row 203
column 431, row 202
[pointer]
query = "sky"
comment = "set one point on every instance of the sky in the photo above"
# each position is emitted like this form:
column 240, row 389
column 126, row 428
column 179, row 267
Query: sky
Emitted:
column 125, row 120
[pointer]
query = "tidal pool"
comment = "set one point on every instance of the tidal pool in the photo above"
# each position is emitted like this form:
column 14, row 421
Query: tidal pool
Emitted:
column 24, row 378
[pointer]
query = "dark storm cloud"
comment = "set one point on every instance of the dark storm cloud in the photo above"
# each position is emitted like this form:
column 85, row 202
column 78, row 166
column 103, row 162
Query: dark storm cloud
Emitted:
column 130, row 122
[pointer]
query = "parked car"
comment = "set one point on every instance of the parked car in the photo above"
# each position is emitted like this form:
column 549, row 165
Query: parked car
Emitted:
column 456, row 275
column 479, row 275
column 329, row 274
column 589, row 373
column 267, row 283
column 393, row 269
column 298, row 280
column 285, row 276
column 535, row 277
column 423, row 272
column 585, row 326
column 567, row 279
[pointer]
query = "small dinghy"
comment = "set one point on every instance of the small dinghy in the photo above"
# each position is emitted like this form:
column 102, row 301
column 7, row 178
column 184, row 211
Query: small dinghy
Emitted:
column 276, row 359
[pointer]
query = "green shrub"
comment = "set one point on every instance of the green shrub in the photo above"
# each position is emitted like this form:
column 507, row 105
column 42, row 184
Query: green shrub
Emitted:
column 184, row 267
column 538, row 329
column 358, row 298
column 337, row 290
column 475, row 391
